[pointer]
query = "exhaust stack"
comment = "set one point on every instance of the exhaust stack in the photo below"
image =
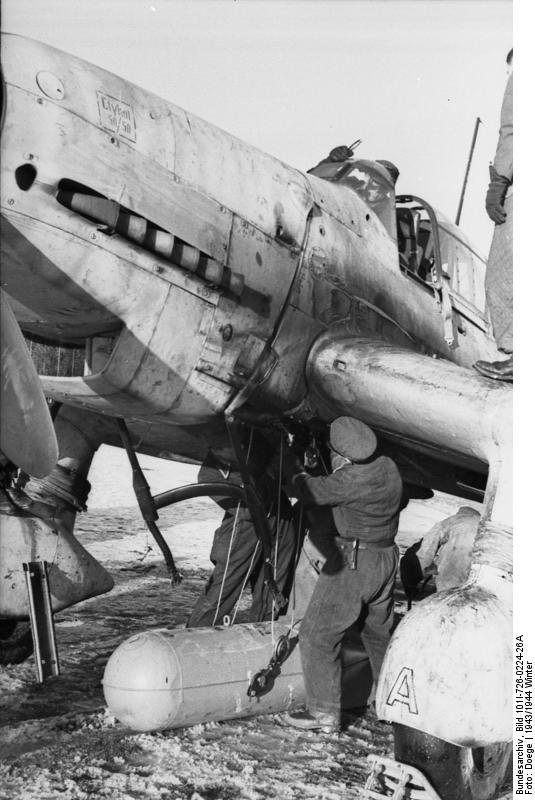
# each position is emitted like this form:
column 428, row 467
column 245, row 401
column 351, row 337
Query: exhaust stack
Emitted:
column 145, row 234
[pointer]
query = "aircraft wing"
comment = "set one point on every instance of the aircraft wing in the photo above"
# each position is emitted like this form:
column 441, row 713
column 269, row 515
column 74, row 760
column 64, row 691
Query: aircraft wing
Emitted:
column 427, row 405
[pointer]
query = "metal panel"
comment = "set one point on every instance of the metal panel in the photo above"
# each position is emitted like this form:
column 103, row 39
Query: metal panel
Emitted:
column 396, row 390
column 64, row 144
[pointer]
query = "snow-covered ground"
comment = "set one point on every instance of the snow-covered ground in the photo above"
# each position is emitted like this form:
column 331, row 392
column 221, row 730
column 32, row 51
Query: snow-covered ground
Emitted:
column 59, row 740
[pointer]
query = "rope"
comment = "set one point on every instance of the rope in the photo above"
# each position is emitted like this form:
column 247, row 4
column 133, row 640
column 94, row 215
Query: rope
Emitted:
column 244, row 584
column 277, row 534
column 225, row 572
column 279, row 495
column 219, row 599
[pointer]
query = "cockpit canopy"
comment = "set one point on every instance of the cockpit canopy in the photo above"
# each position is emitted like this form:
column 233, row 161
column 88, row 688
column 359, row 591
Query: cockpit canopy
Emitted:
column 432, row 251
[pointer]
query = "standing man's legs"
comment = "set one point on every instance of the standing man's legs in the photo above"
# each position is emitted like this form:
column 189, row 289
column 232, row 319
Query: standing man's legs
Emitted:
column 235, row 550
column 378, row 622
column 499, row 296
column 499, row 280
column 335, row 605
column 337, row 602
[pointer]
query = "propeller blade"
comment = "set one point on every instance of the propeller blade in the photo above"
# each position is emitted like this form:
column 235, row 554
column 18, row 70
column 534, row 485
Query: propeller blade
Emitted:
column 27, row 434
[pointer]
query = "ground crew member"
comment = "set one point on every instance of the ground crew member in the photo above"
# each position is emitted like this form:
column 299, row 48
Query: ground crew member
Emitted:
column 357, row 580
column 236, row 553
column 343, row 153
column 445, row 551
column 373, row 181
column 499, row 275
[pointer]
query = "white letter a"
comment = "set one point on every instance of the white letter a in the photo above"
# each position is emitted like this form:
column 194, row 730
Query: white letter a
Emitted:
column 403, row 691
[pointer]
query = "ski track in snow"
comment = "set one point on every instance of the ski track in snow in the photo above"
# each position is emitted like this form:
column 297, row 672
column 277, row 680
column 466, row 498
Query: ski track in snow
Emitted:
column 59, row 740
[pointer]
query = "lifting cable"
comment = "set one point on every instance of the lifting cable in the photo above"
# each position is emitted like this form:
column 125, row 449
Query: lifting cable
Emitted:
column 262, row 681
column 245, row 580
column 279, row 498
column 274, row 609
column 232, row 535
column 255, row 552
column 224, row 578
column 256, row 509
column 253, row 556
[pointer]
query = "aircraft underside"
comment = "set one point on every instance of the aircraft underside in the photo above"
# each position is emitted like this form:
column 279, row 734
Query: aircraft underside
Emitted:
column 217, row 293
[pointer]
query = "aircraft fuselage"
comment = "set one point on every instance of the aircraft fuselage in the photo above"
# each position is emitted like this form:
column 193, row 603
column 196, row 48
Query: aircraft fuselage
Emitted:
column 209, row 267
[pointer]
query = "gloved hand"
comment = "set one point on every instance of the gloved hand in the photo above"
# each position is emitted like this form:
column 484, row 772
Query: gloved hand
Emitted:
column 495, row 196
column 410, row 571
column 340, row 153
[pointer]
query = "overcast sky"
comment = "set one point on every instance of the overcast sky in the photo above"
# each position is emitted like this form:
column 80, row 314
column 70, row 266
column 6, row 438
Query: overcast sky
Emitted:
column 297, row 77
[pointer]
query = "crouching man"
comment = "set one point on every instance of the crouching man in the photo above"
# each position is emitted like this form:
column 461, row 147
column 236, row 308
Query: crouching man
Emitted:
column 357, row 580
column 445, row 551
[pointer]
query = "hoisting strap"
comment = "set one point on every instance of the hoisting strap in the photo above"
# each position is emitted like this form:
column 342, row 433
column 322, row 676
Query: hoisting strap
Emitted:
column 146, row 503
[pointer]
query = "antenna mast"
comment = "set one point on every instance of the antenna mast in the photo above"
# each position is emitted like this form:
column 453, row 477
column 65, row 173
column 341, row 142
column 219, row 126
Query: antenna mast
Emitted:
column 463, row 190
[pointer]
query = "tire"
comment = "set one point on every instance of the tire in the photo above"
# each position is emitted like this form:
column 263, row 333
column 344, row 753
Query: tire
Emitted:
column 456, row 773
column 16, row 642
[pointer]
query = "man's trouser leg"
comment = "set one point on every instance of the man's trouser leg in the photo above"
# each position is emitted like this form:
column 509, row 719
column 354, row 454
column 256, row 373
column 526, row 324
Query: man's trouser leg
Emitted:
column 499, row 279
column 233, row 552
column 378, row 622
column 337, row 602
